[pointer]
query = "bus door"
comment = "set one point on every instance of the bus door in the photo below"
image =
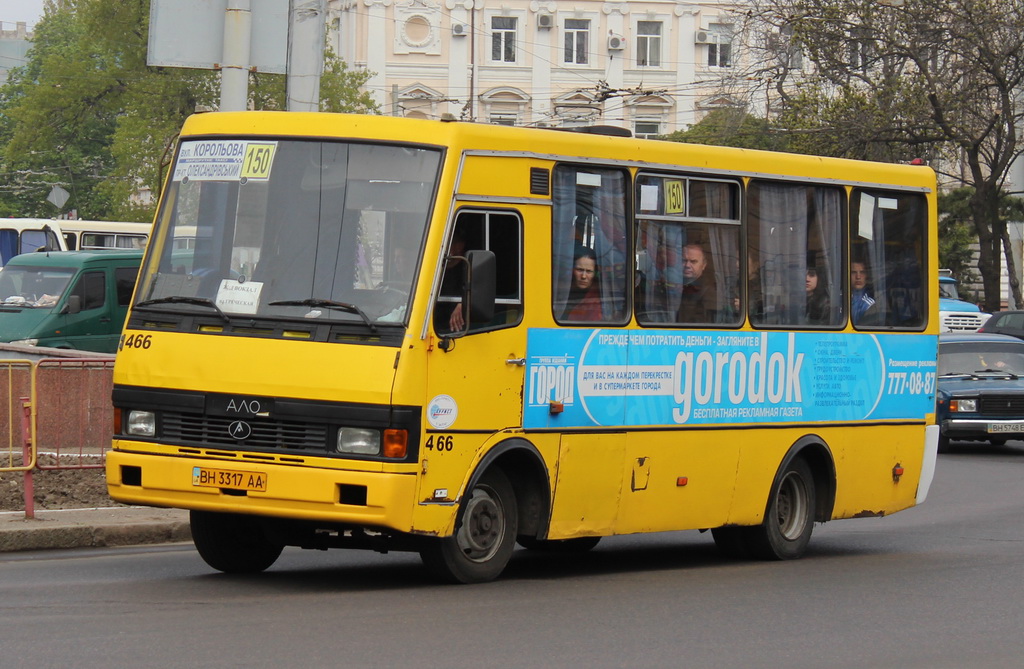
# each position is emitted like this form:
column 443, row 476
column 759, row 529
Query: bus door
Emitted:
column 474, row 381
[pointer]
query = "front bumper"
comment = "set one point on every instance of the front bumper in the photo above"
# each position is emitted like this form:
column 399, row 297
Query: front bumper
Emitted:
column 381, row 499
column 980, row 428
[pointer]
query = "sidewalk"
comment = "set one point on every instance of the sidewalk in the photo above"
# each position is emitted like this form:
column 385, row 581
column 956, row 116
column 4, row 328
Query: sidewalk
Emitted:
column 84, row 528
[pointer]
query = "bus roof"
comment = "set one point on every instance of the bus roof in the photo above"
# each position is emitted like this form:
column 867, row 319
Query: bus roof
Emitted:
column 556, row 144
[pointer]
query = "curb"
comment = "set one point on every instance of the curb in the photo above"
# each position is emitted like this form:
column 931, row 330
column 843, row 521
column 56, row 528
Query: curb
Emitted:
column 93, row 528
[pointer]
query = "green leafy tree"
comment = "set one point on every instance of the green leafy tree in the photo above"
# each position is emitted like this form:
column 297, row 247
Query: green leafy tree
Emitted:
column 732, row 127
column 895, row 80
column 86, row 112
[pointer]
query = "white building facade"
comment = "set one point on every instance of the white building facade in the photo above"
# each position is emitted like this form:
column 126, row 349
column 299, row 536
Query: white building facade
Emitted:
column 650, row 66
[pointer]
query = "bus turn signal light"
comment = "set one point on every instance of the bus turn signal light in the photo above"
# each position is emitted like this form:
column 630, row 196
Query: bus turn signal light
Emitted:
column 396, row 443
column 897, row 472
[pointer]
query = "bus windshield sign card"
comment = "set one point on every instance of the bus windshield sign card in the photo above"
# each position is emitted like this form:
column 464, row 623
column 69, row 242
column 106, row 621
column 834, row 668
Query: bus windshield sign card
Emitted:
column 693, row 377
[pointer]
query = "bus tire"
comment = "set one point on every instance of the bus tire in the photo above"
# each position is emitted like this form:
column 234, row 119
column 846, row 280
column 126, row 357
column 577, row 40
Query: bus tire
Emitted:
column 577, row 545
column 484, row 539
column 788, row 523
column 232, row 543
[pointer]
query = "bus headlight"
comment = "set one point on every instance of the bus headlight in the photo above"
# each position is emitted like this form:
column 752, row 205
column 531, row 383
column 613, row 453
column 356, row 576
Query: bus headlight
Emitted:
column 142, row 423
column 970, row 406
column 28, row 342
column 358, row 440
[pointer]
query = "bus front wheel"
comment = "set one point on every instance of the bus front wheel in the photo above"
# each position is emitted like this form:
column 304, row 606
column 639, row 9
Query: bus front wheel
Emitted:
column 483, row 541
column 232, row 543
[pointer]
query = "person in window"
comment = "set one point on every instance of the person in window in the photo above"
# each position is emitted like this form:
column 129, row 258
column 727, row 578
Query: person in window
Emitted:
column 448, row 315
column 698, row 304
column 818, row 305
column 860, row 299
column 584, row 303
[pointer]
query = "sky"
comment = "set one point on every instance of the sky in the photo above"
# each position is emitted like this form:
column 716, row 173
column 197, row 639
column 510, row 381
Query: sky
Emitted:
column 13, row 11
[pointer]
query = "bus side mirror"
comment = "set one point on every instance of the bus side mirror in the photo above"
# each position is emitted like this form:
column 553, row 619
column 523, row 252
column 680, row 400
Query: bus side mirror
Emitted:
column 481, row 286
column 73, row 305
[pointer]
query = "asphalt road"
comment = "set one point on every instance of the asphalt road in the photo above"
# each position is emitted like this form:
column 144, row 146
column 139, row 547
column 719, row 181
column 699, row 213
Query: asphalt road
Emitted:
column 941, row 585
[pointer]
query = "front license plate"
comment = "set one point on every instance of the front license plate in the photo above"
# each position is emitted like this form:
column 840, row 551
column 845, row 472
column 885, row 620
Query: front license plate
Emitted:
column 229, row 478
column 995, row 428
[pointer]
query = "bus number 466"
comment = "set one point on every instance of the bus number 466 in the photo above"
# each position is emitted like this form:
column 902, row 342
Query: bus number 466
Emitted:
column 443, row 442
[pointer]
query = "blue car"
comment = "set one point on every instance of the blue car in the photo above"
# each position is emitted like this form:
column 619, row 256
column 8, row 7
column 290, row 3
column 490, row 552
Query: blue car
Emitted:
column 980, row 392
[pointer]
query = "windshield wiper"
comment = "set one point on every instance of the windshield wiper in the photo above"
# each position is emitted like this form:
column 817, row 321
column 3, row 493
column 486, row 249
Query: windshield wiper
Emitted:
column 329, row 304
column 1000, row 372
column 181, row 299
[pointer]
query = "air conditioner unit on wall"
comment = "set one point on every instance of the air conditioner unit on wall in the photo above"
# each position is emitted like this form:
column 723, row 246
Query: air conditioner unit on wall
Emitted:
column 459, row 29
column 545, row 21
column 616, row 43
column 704, row 37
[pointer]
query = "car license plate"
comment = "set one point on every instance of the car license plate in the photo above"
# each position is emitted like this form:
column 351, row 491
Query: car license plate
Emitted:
column 995, row 428
column 229, row 478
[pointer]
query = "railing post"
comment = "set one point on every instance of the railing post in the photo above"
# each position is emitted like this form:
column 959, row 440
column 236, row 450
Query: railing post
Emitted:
column 26, row 445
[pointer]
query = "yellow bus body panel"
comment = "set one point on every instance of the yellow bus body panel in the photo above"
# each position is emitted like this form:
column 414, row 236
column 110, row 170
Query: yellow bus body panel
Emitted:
column 602, row 483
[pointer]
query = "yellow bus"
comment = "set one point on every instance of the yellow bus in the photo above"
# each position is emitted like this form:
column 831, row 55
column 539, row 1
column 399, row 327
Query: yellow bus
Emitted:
column 451, row 338
column 94, row 235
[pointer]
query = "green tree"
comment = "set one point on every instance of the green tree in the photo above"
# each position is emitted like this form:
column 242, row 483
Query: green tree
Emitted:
column 88, row 114
column 732, row 127
column 894, row 80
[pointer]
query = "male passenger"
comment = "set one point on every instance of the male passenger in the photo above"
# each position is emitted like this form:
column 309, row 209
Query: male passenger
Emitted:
column 698, row 304
column 861, row 299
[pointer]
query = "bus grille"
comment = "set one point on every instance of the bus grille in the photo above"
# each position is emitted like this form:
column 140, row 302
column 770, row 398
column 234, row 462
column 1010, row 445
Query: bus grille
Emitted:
column 1002, row 405
column 267, row 433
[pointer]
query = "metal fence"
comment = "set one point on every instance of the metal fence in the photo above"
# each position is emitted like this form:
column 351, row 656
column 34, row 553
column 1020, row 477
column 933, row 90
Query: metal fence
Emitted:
column 55, row 413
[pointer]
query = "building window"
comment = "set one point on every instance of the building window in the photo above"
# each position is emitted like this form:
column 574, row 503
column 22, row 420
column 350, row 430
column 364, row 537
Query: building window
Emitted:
column 648, row 43
column 503, row 39
column 719, row 55
column 503, row 119
column 647, row 129
column 577, row 33
column 720, row 48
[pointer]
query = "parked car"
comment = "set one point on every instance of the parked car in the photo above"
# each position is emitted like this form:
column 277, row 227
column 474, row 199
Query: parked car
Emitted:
column 980, row 388
column 1005, row 322
column 67, row 299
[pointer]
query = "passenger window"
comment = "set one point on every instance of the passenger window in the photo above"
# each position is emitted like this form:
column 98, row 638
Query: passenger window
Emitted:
column 688, row 244
column 125, row 278
column 91, row 288
column 794, row 260
column 590, row 245
column 497, row 231
column 888, row 250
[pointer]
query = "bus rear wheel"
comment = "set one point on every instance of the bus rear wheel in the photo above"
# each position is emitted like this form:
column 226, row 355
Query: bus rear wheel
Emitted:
column 484, row 539
column 233, row 543
column 787, row 526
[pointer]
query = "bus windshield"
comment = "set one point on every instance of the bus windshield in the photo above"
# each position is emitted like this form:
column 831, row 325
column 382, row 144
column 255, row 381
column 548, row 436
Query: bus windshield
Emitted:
column 293, row 229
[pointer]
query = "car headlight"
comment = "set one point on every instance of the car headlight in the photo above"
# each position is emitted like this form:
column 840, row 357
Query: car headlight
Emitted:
column 969, row 406
column 141, row 423
column 358, row 440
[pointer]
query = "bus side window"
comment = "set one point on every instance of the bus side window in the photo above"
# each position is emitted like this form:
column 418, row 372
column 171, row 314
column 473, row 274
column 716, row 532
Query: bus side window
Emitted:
column 590, row 245
column 888, row 239
column 794, row 270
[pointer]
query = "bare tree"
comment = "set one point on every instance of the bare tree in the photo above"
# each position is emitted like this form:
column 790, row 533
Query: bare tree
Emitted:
column 899, row 79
